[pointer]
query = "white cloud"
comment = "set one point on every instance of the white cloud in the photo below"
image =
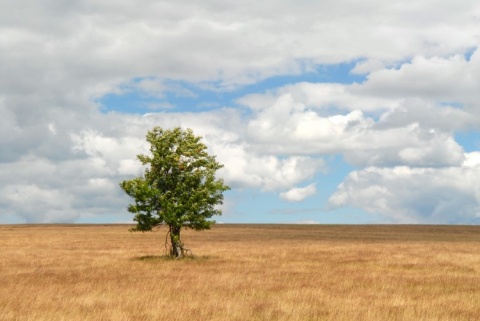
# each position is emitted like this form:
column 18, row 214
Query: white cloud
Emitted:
column 245, row 165
column 442, row 79
column 289, row 127
column 270, row 173
column 322, row 97
column 439, row 117
column 39, row 190
column 367, row 66
column 58, row 58
column 298, row 194
column 416, row 195
column 99, row 160
column 52, row 128
column 115, row 152
column 35, row 204
column 307, row 222
column 129, row 167
column 114, row 42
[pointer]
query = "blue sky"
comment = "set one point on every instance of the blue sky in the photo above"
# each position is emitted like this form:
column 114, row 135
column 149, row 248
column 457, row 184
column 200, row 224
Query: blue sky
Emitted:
column 253, row 206
column 186, row 96
column 328, row 113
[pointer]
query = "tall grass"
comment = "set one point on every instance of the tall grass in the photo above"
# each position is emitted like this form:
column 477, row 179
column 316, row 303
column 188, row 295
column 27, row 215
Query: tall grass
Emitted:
column 241, row 272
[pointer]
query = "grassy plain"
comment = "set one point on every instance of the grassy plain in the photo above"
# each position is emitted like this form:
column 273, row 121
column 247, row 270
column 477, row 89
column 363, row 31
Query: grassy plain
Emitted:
column 241, row 272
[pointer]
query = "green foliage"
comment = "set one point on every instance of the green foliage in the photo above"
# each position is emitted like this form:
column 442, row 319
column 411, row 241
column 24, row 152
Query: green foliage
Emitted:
column 178, row 188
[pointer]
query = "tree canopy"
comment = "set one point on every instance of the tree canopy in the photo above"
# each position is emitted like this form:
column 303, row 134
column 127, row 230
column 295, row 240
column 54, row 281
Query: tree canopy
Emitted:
column 178, row 188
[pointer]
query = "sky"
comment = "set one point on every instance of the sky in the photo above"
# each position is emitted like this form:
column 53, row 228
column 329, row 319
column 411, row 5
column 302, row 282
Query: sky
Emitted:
column 329, row 112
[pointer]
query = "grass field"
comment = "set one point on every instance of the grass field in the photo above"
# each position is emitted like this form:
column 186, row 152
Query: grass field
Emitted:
column 241, row 272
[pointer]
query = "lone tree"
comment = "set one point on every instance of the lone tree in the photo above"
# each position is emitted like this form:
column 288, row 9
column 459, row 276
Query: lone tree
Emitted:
column 178, row 188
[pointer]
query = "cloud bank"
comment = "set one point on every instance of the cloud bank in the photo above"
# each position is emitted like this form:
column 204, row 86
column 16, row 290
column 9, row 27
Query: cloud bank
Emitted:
column 63, row 152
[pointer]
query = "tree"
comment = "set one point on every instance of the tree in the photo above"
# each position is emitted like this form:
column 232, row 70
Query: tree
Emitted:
column 178, row 188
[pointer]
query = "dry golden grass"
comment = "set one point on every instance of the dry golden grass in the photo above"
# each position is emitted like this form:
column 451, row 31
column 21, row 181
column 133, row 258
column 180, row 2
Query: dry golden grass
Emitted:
column 241, row 272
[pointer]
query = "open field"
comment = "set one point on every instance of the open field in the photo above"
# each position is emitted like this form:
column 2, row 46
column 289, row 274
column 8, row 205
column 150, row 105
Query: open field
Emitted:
column 241, row 272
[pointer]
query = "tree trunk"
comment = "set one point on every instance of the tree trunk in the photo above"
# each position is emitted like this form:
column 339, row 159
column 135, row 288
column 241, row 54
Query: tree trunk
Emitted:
column 177, row 247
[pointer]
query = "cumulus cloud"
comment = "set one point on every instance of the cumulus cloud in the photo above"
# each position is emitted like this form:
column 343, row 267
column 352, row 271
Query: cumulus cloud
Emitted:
column 35, row 204
column 39, row 190
column 298, row 194
column 269, row 173
column 416, row 195
column 62, row 158
column 325, row 98
column 289, row 126
column 86, row 183
column 96, row 46
column 427, row 114
column 439, row 78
